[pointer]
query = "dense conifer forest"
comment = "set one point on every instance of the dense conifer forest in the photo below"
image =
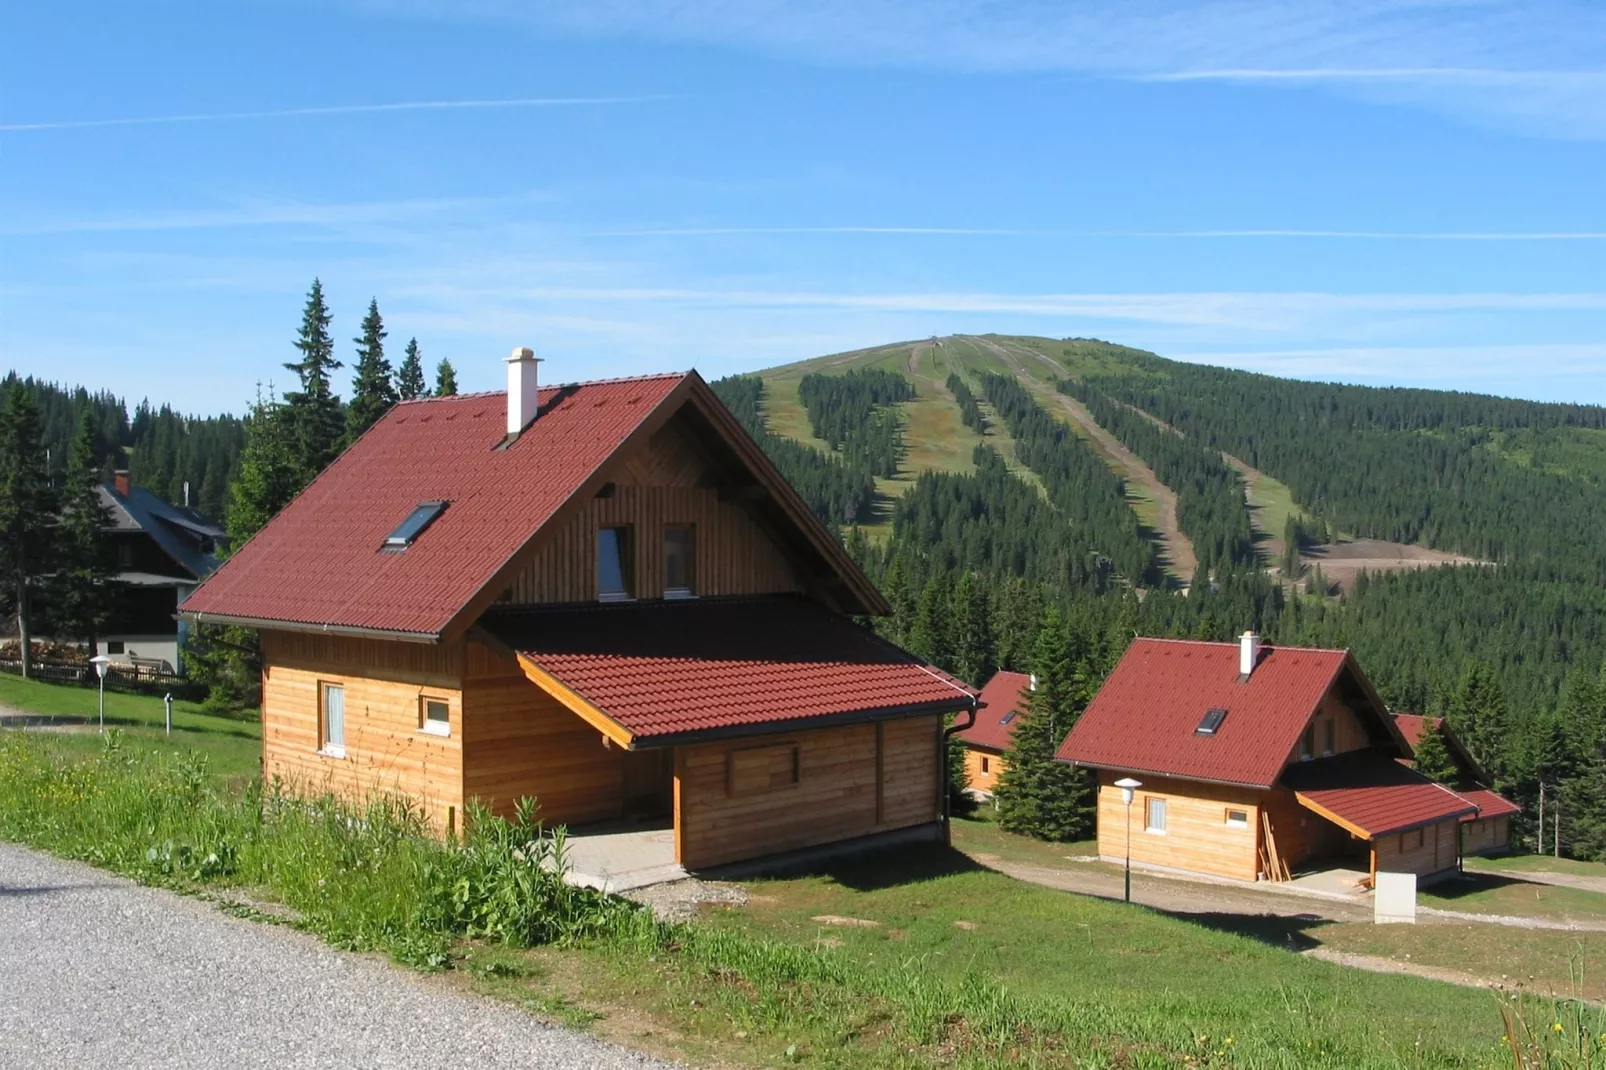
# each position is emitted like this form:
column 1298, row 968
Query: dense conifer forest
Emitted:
column 853, row 414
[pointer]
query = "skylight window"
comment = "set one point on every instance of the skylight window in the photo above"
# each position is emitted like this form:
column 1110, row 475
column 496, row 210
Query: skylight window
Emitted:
column 1006, row 718
column 1212, row 721
column 410, row 529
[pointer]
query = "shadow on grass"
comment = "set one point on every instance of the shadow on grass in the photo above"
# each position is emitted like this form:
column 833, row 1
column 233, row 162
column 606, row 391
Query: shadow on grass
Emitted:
column 1291, row 933
column 1471, row 883
column 889, row 868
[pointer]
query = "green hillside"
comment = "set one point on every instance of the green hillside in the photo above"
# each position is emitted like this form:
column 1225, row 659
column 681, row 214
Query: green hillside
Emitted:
column 1456, row 542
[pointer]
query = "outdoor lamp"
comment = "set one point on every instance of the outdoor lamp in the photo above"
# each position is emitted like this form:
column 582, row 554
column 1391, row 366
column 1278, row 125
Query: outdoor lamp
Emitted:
column 101, row 662
column 1128, row 788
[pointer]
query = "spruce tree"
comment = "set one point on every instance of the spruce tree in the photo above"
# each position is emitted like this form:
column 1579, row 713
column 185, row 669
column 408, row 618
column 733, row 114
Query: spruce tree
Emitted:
column 410, row 376
column 974, row 648
column 270, row 470
column 82, row 591
column 314, row 411
column 931, row 636
column 1478, row 715
column 28, row 511
column 897, row 589
column 1036, row 794
column 1433, row 755
column 372, row 393
column 445, row 379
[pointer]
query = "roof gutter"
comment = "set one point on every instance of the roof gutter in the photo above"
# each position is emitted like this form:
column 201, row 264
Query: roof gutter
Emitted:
column 942, row 766
column 1155, row 772
column 268, row 624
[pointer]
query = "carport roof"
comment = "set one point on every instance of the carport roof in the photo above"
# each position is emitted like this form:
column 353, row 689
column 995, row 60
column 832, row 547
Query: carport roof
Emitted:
column 1372, row 795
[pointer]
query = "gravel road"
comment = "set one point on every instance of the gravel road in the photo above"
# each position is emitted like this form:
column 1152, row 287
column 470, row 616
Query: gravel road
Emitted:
column 98, row 972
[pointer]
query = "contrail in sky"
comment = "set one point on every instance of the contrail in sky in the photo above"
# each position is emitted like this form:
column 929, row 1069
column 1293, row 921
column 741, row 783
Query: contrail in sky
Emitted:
column 339, row 109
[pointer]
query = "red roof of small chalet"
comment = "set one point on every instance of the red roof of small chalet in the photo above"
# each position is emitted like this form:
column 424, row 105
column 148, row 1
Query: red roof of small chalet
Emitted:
column 1002, row 699
column 320, row 564
column 1411, row 725
column 676, row 670
column 1145, row 717
column 1373, row 795
column 1489, row 803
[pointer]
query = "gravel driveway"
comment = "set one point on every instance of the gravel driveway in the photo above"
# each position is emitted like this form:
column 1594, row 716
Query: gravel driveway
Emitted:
column 98, row 972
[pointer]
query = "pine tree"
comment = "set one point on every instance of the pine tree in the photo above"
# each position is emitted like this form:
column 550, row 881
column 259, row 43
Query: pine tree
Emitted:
column 372, row 393
column 445, row 379
column 410, row 376
column 896, row 586
column 270, row 472
column 974, row 652
column 931, row 636
column 1433, row 755
column 28, row 510
column 1036, row 794
column 82, row 592
column 1478, row 715
column 314, row 411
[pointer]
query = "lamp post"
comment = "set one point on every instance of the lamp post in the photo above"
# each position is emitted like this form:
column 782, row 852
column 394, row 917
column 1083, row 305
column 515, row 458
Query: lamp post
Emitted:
column 101, row 662
column 1129, row 789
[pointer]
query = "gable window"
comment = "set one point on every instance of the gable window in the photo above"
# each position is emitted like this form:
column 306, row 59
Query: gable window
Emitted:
column 615, row 576
column 125, row 555
column 1307, row 743
column 408, row 531
column 1238, row 819
column 333, row 716
column 1154, row 815
column 1327, row 738
column 680, row 561
column 436, row 718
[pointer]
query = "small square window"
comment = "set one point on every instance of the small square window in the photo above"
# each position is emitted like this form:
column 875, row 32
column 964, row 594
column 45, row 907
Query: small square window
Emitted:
column 413, row 525
column 115, row 646
column 125, row 555
column 680, row 561
column 1154, row 815
column 334, row 720
column 437, row 719
column 1238, row 819
column 615, row 576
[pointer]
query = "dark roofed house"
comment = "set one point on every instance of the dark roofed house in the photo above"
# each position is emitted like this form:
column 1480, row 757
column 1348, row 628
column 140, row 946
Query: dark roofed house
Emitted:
column 162, row 553
column 602, row 596
column 1257, row 761
column 1488, row 831
column 1003, row 699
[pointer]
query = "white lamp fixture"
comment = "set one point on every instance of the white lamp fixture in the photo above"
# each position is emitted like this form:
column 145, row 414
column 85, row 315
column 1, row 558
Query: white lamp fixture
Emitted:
column 1129, row 789
column 101, row 663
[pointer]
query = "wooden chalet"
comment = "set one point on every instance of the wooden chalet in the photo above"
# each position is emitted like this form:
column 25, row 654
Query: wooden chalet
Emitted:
column 1487, row 832
column 1257, row 762
column 602, row 596
column 1003, row 699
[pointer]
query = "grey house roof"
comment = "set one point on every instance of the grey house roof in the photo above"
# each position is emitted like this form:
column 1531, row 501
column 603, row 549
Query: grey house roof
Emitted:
column 177, row 530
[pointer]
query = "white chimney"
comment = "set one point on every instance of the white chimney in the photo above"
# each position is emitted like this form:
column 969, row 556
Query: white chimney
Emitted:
column 1248, row 653
column 1033, row 685
column 522, row 397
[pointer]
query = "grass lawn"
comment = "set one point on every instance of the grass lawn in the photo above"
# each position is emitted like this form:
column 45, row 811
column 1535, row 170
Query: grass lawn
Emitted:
column 1546, row 961
column 956, row 919
column 1538, row 864
column 233, row 747
column 981, row 834
column 1492, row 893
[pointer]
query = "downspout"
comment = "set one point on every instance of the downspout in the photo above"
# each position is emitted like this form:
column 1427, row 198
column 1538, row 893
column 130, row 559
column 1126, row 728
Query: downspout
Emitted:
column 942, row 766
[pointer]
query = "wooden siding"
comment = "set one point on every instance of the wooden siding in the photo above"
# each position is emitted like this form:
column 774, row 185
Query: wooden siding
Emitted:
column 1197, row 837
column 1348, row 732
column 1486, row 835
column 836, row 795
column 1422, row 851
column 1302, row 835
column 664, row 484
column 386, row 752
column 977, row 778
column 520, row 741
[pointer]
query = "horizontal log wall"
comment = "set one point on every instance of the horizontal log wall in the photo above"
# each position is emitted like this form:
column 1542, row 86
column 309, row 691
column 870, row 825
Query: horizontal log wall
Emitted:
column 978, row 778
column 1197, row 837
column 1421, row 851
column 835, row 797
column 521, row 742
column 386, row 752
column 1485, row 835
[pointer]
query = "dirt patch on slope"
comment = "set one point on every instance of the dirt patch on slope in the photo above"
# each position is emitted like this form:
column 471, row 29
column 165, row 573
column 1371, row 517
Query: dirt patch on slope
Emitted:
column 1342, row 562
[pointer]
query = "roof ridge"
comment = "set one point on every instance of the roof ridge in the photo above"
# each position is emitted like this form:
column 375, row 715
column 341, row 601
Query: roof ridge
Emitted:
column 475, row 394
column 1266, row 645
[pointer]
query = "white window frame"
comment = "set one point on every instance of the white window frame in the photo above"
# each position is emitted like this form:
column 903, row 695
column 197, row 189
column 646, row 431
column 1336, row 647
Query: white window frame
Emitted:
column 331, row 748
column 1237, row 823
column 428, row 725
column 1149, row 803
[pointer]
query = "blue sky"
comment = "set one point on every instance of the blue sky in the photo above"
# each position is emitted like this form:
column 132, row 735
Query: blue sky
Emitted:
column 1386, row 192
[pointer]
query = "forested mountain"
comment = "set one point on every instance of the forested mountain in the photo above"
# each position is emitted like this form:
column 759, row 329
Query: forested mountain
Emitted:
column 970, row 550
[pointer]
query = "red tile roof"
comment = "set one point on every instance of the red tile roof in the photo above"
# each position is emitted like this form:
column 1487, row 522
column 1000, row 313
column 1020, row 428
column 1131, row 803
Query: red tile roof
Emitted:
column 668, row 670
column 1489, row 803
column 1144, row 717
column 1372, row 794
column 1410, row 725
column 319, row 561
column 1003, row 697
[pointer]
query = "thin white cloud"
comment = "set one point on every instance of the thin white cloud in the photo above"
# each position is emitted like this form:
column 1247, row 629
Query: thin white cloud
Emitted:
column 1030, row 232
column 337, row 109
column 681, row 232
column 1366, row 235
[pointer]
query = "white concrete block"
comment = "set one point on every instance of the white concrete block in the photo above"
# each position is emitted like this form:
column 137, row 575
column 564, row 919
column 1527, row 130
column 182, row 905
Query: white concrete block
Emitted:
column 1394, row 899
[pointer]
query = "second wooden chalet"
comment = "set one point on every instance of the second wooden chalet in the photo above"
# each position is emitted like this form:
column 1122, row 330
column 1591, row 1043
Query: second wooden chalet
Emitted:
column 1257, row 762
column 602, row 596
column 1003, row 698
column 1487, row 832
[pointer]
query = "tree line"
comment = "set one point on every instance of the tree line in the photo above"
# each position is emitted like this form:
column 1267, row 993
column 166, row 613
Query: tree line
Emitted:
column 1211, row 509
column 853, row 414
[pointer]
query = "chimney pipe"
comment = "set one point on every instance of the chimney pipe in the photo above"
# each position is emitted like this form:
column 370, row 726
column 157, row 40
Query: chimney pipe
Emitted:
column 120, row 481
column 186, row 494
column 1032, row 686
column 522, row 389
column 1248, row 654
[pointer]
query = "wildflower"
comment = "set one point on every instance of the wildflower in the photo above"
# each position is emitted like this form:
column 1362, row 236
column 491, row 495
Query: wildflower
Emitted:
column 1556, row 1026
